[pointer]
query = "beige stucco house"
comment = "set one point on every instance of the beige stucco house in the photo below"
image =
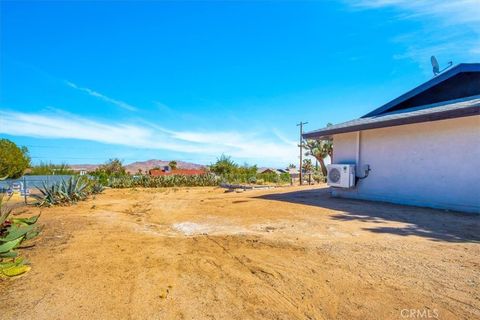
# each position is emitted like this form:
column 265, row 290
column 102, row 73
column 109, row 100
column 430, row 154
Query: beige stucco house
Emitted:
column 422, row 148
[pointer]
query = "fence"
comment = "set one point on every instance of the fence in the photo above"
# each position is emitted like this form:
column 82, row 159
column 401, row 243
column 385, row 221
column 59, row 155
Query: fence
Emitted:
column 28, row 184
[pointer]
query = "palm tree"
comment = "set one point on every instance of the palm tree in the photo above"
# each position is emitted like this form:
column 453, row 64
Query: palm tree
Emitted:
column 319, row 149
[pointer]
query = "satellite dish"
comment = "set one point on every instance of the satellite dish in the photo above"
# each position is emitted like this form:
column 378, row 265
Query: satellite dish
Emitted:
column 436, row 66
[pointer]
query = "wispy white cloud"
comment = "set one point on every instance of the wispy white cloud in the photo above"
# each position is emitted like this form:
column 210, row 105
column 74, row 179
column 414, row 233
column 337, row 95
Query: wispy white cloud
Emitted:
column 103, row 97
column 448, row 11
column 162, row 107
column 250, row 146
column 284, row 139
column 449, row 29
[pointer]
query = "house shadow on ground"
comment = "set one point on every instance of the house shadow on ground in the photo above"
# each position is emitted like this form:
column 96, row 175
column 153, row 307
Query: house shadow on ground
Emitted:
column 437, row 225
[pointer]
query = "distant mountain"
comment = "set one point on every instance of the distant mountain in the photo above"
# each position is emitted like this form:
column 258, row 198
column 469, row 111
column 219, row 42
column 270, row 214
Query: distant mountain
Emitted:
column 88, row 167
column 143, row 165
column 150, row 164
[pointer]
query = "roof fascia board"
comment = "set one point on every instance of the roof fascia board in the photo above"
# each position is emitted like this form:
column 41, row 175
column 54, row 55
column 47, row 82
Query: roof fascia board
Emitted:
column 441, row 115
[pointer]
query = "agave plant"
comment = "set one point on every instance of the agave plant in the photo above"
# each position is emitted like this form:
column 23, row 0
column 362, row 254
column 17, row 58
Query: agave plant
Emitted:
column 74, row 189
column 48, row 195
column 96, row 188
column 4, row 210
column 64, row 192
column 13, row 232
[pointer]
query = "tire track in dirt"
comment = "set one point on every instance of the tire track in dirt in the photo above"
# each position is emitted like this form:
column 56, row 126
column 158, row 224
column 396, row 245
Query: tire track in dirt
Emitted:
column 265, row 276
column 255, row 272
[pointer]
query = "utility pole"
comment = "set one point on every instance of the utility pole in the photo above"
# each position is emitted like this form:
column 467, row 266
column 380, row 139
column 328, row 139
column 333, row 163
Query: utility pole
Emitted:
column 301, row 151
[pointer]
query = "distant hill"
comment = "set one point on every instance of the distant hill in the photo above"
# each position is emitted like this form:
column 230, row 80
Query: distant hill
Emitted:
column 150, row 164
column 143, row 165
column 88, row 167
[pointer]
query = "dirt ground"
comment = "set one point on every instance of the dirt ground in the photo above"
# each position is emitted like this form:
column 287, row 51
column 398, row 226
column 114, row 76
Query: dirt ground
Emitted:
column 287, row 253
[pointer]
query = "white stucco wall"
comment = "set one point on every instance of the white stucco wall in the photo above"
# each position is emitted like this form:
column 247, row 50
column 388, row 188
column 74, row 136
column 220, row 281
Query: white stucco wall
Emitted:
column 433, row 164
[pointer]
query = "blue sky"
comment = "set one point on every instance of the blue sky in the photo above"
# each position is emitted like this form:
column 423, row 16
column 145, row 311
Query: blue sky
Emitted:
column 82, row 82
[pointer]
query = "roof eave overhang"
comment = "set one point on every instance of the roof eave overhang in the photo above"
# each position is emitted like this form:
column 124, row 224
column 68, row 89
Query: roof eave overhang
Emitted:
column 463, row 67
column 434, row 116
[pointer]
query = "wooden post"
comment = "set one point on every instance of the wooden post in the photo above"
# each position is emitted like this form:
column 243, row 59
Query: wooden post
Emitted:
column 301, row 151
column 25, row 189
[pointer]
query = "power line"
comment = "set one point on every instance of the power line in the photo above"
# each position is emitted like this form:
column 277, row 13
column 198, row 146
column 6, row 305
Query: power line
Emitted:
column 86, row 147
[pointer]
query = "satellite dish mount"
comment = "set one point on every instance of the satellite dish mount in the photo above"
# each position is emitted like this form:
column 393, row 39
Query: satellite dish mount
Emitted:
column 436, row 66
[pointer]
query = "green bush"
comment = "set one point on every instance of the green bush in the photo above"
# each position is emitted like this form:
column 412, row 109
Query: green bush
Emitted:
column 13, row 160
column 230, row 172
column 50, row 169
column 111, row 169
column 256, row 178
column 102, row 177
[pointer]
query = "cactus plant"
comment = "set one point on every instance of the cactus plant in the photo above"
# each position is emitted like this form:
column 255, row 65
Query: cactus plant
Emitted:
column 202, row 180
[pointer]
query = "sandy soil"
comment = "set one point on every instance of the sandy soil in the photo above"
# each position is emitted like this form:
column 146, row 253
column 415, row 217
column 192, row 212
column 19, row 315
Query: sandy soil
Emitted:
column 288, row 253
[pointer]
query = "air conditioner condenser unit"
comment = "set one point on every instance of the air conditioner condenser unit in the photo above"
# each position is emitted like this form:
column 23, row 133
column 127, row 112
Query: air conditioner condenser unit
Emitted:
column 341, row 175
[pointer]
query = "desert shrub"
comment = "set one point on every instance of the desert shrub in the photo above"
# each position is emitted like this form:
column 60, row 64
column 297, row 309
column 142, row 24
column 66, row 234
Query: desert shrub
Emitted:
column 13, row 232
column 269, row 177
column 108, row 171
column 173, row 164
column 260, row 181
column 67, row 192
column 224, row 170
column 113, row 167
column 203, row 180
column 223, row 166
column 255, row 178
column 101, row 176
column 230, row 172
column 49, row 169
column 274, row 177
column 235, row 177
column 319, row 177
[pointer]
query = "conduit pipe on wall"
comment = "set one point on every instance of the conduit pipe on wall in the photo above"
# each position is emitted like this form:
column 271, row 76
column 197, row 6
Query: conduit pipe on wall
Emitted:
column 358, row 159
